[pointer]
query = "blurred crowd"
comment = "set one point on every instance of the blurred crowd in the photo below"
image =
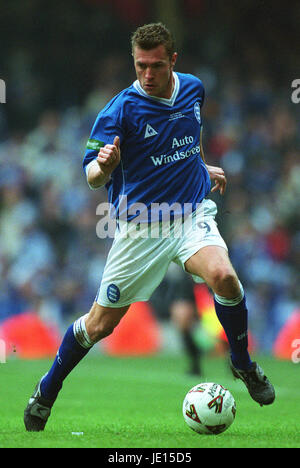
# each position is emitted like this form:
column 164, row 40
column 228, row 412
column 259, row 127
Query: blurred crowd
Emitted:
column 51, row 260
column 254, row 135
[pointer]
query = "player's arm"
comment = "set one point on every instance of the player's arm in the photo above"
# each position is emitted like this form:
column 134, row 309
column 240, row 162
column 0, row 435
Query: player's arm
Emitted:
column 216, row 174
column 107, row 160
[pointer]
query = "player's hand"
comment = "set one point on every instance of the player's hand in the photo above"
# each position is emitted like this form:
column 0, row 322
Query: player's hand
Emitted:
column 109, row 157
column 217, row 175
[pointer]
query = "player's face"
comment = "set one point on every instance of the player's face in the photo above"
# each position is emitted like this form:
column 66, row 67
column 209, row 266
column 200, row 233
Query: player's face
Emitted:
column 154, row 70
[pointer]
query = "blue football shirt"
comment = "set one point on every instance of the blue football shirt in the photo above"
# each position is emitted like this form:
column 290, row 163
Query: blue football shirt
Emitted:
column 160, row 149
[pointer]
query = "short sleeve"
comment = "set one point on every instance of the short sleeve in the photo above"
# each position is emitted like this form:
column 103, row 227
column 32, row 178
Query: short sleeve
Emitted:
column 106, row 127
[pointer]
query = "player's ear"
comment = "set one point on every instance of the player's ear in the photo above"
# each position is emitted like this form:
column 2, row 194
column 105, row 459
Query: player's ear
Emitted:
column 174, row 59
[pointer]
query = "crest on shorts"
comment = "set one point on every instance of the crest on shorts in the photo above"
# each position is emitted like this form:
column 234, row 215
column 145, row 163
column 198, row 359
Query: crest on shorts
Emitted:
column 197, row 112
column 113, row 293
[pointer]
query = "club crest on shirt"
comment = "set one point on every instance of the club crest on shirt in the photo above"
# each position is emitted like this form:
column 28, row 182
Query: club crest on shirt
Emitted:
column 197, row 112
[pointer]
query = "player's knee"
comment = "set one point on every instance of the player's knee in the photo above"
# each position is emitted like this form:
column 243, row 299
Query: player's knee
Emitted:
column 224, row 282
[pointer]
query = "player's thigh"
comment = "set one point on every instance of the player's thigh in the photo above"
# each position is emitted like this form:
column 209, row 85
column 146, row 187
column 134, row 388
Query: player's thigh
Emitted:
column 136, row 264
column 101, row 320
column 212, row 263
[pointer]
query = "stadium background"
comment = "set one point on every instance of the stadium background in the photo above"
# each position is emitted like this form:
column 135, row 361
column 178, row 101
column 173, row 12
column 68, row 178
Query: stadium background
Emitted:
column 62, row 61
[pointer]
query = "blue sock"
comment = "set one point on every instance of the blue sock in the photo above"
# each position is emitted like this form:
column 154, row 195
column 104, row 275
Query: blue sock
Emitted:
column 233, row 316
column 75, row 345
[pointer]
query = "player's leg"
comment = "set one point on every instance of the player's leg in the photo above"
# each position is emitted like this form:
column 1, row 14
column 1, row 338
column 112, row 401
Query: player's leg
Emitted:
column 78, row 340
column 132, row 271
column 183, row 315
column 213, row 265
column 101, row 321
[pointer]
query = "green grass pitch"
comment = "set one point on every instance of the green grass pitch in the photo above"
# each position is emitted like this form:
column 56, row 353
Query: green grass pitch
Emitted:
column 136, row 403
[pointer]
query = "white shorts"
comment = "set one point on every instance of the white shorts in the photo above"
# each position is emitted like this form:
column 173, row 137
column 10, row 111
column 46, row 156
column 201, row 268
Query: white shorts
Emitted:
column 141, row 254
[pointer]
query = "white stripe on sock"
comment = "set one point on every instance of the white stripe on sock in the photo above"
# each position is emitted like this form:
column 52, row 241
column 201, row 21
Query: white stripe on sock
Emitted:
column 81, row 334
column 231, row 302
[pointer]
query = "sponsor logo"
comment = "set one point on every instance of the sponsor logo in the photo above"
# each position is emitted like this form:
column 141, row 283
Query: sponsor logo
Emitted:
column 192, row 413
column 216, row 403
column 150, row 132
column 40, row 411
column 94, row 144
column 198, row 388
column 242, row 336
column 178, row 155
column 59, row 360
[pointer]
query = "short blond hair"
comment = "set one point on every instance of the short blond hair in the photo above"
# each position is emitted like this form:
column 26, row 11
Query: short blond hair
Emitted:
column 152, row 35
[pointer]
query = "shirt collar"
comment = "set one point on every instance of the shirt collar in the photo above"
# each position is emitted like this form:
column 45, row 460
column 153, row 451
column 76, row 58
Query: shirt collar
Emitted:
column 169, row 102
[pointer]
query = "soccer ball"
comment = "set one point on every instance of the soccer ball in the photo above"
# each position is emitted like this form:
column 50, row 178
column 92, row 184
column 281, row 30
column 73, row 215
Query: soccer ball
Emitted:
column 209, row 408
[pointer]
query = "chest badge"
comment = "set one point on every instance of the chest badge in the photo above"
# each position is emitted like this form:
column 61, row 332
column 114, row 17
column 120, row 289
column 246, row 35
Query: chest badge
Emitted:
column 150, row 132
